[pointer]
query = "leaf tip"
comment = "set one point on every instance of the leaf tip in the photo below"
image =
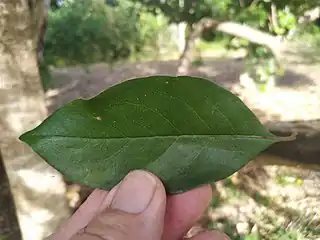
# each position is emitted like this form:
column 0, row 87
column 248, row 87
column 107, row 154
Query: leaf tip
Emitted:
column 24, row 137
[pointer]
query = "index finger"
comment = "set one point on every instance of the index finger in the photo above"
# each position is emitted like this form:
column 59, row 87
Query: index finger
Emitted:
column 184, row 209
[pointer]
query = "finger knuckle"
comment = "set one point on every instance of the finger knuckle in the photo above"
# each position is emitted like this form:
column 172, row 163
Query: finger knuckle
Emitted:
column 113, row 226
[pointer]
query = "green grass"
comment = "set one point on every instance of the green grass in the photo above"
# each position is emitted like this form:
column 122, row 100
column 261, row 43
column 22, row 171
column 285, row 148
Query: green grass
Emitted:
column 266, row 223
column 288, row 180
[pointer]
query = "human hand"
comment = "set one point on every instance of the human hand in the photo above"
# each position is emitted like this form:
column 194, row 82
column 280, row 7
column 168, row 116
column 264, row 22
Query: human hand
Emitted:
column 138, row 208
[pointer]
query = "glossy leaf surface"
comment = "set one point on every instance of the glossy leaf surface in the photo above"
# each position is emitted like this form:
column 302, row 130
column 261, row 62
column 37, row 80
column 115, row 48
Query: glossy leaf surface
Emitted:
column 186, row 130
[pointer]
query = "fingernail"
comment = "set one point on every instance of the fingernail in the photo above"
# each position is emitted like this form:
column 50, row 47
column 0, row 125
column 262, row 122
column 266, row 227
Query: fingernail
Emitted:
column 135, row 192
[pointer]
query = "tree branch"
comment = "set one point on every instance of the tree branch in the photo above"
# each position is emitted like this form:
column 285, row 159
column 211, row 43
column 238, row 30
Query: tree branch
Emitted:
column 235, row 29
column 250, row 34
column 310, row 15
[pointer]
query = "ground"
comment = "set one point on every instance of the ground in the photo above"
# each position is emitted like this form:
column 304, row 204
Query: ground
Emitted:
column 273, row 202
column 296, row 96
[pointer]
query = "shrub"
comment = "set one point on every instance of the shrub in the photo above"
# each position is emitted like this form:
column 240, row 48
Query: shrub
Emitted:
column 84, row 32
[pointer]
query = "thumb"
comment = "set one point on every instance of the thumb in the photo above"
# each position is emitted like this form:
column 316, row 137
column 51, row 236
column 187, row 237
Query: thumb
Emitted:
column 135, row 210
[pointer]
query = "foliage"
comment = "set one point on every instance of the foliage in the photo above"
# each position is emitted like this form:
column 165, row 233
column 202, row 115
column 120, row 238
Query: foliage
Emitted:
column 55, row 4
column 262, row 66
column 260, row 63
column 191, row 11
column 309, row 35
column 152, row 123
column 83, row 32
column 257, row 14
column 151, row 29
column 286, row 22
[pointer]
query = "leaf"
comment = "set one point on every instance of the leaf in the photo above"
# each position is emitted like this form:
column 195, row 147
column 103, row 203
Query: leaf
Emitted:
column 186, row 130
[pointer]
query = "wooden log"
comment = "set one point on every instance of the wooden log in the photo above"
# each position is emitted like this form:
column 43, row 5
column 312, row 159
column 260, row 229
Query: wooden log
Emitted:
column 302, row 152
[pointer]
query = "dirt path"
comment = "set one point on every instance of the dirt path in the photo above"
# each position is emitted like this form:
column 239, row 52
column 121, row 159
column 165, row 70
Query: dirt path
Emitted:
column 296, row 97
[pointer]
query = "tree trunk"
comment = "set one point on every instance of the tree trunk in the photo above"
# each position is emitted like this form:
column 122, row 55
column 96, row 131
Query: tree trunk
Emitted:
column 9, row 226
column 274, row 16
column 310, row 15
column 303, row 152
column 231, row 28
column 186, row 57
column 181, row 28
column 38, row 190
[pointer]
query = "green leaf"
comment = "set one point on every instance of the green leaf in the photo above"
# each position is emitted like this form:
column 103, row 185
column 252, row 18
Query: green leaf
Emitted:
column 186, row 130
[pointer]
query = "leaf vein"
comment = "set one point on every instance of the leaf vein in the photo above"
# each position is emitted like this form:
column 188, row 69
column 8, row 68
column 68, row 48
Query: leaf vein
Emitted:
column 165, row 150
column 190, row 107
column 224, row 116
column 119, row 150
column 159, row 114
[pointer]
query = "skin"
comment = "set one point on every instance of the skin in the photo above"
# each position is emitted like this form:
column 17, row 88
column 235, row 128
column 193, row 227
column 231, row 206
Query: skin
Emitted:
column 138, row 208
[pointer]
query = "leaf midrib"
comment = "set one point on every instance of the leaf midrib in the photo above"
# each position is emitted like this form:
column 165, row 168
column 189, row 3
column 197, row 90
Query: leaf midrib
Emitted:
column 271, row 138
